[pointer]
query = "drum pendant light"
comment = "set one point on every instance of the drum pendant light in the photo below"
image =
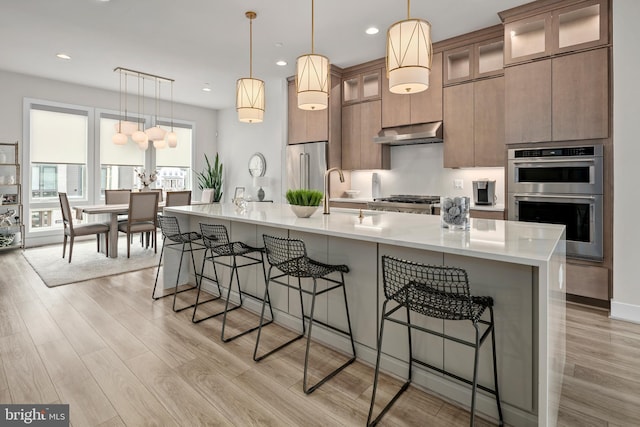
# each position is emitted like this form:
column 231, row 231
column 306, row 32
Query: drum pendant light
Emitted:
column 312, row 77
column 409, row 55
column 249, row 91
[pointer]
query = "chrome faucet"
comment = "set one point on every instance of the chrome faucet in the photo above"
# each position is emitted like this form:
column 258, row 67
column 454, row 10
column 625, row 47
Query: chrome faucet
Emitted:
column 326, row 187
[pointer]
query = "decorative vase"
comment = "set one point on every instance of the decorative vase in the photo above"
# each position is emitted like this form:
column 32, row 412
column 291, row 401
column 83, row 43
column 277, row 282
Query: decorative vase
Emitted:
column 261, row 194
column 454, row 212
column 145, row 187
column 304, row 211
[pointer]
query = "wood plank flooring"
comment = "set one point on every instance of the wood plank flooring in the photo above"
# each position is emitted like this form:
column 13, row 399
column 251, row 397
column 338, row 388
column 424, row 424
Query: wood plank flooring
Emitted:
column 120, row 359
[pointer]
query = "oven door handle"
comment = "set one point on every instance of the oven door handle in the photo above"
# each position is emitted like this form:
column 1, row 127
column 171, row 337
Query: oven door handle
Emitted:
column 527, row 162
column 553, row 196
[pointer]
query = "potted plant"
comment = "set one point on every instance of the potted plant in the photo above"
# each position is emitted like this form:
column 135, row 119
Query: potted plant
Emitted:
column 304, row 202
column 211, row 177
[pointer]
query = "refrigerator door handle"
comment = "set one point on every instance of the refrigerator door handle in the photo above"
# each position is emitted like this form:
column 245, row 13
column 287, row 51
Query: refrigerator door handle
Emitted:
column 304, row 170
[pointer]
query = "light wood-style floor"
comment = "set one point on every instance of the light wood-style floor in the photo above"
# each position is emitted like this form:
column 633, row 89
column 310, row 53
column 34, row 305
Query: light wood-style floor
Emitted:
column 118, row 358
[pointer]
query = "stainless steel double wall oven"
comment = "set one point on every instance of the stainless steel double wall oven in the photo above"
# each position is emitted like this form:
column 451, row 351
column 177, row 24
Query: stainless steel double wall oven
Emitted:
column 560, row 185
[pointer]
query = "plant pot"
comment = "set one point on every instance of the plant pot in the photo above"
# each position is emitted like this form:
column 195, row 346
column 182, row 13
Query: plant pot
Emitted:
column 303, row 211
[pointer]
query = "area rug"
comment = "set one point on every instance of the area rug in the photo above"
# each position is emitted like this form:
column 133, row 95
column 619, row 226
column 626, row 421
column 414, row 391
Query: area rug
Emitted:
column 87, row 263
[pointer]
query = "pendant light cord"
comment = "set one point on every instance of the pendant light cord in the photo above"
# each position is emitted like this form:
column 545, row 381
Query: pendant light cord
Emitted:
column 312, row 26
column 408, row 9
column 250, row 47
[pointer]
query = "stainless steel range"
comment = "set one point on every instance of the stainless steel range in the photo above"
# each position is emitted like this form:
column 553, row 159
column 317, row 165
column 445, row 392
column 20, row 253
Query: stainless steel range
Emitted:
column 405, row 203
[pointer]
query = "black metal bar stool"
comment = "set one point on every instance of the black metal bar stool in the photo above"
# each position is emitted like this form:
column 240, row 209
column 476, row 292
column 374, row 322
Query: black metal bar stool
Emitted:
column 290, row 257
column 172, row 238
column 217, row 245
column 442, row 293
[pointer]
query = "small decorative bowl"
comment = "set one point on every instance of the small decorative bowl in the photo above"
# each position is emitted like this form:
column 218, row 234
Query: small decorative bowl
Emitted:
column 303, row 211
column 352, row 193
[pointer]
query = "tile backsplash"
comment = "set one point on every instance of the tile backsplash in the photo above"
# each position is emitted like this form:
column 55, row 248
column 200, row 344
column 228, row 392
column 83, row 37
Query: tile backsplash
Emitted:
column 417, row 169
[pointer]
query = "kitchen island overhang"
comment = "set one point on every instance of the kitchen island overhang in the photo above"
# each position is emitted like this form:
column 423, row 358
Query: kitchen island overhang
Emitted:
column 521, row 265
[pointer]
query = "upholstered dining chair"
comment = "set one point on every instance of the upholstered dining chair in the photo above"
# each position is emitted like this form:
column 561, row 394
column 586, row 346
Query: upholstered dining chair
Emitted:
column 116, row 197
column 143, row 209
column 71, row 230
column 178, row 198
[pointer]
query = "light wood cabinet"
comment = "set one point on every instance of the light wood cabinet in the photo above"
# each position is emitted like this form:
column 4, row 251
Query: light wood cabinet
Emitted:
column 528, row 102
column 474, row 124
column 578, row 26
column 560, row 99
column 361, row 87
column 360, row 124
column 422, row 107
column 473, row 61
column 305, row 125
column 580, row 96
column 458, row 126
column 483, row 214
column 588, row 281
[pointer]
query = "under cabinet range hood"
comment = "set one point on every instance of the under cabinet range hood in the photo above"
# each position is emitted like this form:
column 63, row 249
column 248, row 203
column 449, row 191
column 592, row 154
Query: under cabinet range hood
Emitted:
column 425, row 133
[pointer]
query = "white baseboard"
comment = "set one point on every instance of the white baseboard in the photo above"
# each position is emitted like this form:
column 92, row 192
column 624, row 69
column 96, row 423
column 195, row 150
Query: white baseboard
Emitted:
column 624, row 311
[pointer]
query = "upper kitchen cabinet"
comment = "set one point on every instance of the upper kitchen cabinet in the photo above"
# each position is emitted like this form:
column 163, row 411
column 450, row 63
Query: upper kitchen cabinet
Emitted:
column 306, row 125
column 324, row 125
column 536, row 30
column 560, row 99
column 474, row 124
column 421, row 107
column 483, row 59
column 473, row 56
column 361, row 122
column 364, row 86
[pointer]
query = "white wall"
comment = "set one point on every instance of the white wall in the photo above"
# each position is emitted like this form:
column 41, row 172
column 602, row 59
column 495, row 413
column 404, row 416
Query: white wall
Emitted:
column 238, row 141
column 626, row 110
column 417, row 169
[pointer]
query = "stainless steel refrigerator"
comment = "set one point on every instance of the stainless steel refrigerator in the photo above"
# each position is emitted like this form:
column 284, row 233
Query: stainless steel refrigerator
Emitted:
column 306, row 165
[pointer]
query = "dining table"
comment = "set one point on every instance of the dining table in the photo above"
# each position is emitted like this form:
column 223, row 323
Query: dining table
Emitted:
column 113, row 210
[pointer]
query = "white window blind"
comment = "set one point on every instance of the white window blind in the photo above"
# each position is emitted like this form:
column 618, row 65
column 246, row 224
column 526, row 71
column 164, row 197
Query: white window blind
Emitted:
column 112, row 154
column 180, row 156
column 58, row 137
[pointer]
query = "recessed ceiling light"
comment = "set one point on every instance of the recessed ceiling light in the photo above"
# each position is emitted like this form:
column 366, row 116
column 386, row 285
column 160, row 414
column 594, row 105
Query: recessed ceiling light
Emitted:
column 279, row 44
column 63, row 56
column 206, row 88
column 281, row 63
column 372, row 30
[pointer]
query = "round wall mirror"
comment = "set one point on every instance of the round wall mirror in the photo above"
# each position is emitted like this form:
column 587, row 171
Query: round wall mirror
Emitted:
column 257, row 165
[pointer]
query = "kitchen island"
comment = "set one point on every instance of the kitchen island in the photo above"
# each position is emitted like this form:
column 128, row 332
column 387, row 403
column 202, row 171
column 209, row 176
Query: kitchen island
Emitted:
column 521, row 265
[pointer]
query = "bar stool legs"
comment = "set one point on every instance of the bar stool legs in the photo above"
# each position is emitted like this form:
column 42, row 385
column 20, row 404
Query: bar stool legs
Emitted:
column 442, row 293
column 289, row 256
column 172, row 238
column 216, row 241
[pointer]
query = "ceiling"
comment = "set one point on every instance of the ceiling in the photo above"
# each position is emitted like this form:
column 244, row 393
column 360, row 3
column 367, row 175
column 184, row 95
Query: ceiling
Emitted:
column 198, row 42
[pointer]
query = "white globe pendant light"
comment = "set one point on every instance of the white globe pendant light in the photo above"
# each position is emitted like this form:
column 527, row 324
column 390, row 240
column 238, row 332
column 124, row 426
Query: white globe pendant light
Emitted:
column 120, row 139
column 172, row 139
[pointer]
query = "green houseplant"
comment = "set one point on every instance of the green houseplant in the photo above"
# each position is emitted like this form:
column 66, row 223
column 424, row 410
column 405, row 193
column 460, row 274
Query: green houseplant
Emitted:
column 211, row 177
column 304, row 202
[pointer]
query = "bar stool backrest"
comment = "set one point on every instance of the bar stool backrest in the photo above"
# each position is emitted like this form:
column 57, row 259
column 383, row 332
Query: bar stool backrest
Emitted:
column 170, row 228
column 214, row 235
column 435, row 291
column 281, row 252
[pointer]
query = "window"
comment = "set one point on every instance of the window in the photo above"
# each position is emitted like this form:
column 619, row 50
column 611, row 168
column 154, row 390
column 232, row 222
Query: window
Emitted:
column 58, row 153
column 174, row 164
column 117, row 162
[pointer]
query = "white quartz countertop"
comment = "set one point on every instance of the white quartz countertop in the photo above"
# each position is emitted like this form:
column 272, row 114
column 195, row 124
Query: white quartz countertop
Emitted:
column 509, row 241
